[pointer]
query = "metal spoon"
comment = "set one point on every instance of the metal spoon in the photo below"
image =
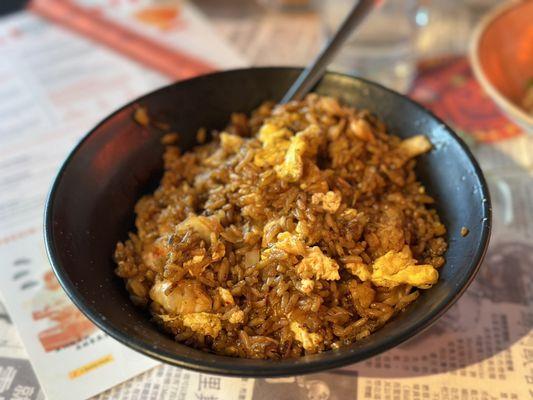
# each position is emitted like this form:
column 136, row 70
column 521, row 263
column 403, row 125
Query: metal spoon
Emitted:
column 313, row 72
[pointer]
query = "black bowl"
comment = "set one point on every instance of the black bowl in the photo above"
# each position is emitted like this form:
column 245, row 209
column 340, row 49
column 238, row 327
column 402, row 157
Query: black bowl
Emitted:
column 90, row 208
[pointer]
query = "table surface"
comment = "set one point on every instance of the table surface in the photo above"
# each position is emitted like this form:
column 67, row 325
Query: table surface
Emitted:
column 267, row 37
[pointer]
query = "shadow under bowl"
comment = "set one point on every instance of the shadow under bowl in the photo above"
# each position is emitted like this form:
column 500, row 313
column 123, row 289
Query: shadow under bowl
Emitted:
column 90, row 208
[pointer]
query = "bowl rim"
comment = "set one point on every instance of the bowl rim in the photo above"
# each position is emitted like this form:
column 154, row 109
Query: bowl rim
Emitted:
column 266, row 368
column 515, row 112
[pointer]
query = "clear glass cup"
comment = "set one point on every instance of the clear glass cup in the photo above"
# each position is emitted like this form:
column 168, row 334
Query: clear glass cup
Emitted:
column 383, row 48
column 287, row 5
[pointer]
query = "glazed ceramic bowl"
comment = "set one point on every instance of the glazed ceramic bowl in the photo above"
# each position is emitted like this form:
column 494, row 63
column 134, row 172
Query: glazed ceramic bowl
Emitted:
column 90, row 208
column 501, row 54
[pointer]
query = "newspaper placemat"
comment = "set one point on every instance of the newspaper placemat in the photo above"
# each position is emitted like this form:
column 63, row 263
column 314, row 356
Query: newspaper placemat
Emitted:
column 169, row 36
column 17, row 379
column 55, row 85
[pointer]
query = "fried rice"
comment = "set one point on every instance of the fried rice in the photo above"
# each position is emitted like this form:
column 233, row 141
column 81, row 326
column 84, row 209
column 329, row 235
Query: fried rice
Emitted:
column 298, row 229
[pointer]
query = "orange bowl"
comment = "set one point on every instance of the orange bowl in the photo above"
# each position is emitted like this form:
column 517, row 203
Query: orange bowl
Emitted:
column 501, row 54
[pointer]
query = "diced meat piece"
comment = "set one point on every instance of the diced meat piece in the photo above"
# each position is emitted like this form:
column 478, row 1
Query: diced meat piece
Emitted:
column 204, row 226
column 390, row 231
column 187, row 297
column 154, row 255
column 204, row 323
column 388, row 234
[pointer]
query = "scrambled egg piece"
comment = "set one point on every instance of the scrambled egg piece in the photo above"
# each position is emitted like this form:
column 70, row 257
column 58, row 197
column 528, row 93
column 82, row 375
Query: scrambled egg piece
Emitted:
column 349, row 214
column 359, row 269
column 305, row 286
column 204, row 323
column 204, row 226
column 237, row 317
column 286, row 244
column 167, row 318
column 290, row 243
column 362, row 293
column 226, row 296
column 414, row 146
column 393, row 269
column 269, row 134
column 230, row 143
column 275, row 143
column 317, row 265
column 329, row 201
column 306, row 141
column 285, row 151
column 187, row 297
column 309, row 341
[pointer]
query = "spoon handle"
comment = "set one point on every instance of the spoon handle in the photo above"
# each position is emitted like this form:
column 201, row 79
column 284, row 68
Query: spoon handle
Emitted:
column 312, row 73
